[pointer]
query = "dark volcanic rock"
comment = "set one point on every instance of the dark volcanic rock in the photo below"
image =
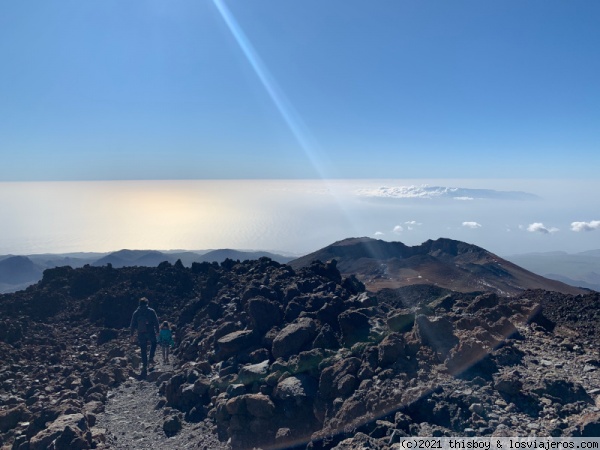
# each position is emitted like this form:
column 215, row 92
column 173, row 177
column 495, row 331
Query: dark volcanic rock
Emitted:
column 269, row 356
column 391, row 349
column 264, row 314
column 401, row 321
column 294, row 337
column 298, row 389
column 172, row 425
column 68, row 432
column 11, row 417
column 437, row 333
column 355, row 327
column 235, row 342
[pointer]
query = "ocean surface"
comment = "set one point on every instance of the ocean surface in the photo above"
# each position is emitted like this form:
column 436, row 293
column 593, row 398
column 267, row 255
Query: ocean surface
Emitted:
column 296, row 216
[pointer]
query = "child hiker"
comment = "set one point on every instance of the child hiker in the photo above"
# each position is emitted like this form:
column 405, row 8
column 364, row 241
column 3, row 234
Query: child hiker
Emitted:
column 165, row 339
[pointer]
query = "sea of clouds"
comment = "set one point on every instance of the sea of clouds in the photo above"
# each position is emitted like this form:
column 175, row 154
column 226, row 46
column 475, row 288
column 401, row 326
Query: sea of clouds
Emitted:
column 296, row 216
column 438, row 192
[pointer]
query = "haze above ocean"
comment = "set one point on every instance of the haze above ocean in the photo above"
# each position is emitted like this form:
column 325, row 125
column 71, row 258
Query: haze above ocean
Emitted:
column 297, row 216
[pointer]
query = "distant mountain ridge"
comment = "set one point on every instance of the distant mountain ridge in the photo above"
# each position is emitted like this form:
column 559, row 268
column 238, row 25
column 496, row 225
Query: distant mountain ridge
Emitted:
column 18, row 269
column 124, row 258
column 18, row 272
column 445, row 263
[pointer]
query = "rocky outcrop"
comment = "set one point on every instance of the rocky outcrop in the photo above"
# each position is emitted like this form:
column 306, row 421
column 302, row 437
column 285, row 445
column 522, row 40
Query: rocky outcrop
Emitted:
column 272, row 356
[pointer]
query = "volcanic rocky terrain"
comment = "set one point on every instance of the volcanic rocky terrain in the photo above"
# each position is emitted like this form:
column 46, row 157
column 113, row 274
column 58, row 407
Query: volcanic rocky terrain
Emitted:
column 273, row 356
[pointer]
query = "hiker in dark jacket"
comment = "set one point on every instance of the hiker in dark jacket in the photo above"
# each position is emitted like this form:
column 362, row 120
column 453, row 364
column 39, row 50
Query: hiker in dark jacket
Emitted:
column 145, row 322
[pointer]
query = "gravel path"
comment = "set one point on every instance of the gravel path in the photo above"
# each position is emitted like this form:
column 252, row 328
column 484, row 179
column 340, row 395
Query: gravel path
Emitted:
column 134, row 416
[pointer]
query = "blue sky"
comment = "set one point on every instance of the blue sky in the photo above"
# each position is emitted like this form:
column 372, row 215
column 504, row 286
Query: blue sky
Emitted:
column 114, row 90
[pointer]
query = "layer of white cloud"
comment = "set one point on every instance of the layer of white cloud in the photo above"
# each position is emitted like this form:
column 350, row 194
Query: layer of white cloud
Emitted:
column 585, row 226
column 411, row 224
column 472, row 225
column 539, row 227
column 431, row 192
column 378, row 234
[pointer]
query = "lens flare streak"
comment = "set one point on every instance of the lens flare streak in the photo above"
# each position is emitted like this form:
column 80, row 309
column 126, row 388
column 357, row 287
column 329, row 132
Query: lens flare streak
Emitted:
column 291, row 118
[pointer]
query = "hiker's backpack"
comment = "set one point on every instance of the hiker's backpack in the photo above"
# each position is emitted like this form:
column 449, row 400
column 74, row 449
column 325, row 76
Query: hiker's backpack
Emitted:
column 143, row 321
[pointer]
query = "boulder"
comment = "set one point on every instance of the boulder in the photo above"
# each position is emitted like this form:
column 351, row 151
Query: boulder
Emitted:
column 401, row 321
column 264, row 314
column 171, row 389
column 190, row 396
column 259, row 405
column 256, row 405
column 350, row 410
column 283, row 436
column 297, row 388
column 346, row 385
column 11, row 417
column 328, row 270
column 354, row 326
column 465, row 355
column 252, row 373
column 172, row 425
column 437, row 333
column 201, row 387
column 307, row 361
column 236, row 405
column 390, row 349
column 484, row 301
column 326, row 339
column 331, row 378
column 293, row 310
column 330, row 311
column 235, row 342
column 294, row 337
column 69, row 431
